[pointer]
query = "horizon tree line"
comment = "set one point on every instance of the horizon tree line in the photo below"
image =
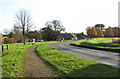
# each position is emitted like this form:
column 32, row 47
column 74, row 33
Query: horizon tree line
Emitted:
column 53, row 29
column 98, row 31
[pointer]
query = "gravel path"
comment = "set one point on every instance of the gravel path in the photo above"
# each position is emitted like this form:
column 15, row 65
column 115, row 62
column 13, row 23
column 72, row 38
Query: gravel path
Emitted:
column 105, row 57
column 35, row 66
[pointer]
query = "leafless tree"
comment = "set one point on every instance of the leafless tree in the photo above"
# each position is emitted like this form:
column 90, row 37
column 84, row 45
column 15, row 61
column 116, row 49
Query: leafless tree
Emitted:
column 24, row 21
column 57, row 26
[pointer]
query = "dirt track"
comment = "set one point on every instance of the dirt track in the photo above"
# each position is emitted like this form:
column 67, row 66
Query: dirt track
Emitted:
column 36, row 67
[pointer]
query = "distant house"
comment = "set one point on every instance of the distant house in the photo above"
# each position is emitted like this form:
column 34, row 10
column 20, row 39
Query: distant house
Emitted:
column 34, row 35
column 81, row 35
column 74, row 37
column 69, row 36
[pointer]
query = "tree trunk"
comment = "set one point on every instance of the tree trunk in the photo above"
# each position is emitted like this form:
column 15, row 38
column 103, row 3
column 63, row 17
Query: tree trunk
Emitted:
column 24, row 34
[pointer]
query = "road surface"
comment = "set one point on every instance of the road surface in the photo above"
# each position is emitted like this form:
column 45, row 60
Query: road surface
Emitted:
column 105, row 57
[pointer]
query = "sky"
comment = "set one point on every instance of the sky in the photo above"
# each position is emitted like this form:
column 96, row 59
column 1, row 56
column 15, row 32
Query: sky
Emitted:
column 75, row 15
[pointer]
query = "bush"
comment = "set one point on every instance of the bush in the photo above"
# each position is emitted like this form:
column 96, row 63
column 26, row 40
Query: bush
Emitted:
column 116, row 41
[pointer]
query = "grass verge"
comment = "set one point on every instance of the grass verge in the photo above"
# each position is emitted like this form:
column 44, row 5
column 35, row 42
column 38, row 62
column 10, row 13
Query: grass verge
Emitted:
column 13, row 61
column 100, row 43
column 74, row 66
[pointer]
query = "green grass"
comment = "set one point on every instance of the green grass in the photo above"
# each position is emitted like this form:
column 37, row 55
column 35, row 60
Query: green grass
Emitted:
column 68, row 65
column 13, row 61
column 105, row 43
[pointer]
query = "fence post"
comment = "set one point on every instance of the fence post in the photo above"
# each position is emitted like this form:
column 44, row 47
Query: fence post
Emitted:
column 7, row 47
column 2, row 48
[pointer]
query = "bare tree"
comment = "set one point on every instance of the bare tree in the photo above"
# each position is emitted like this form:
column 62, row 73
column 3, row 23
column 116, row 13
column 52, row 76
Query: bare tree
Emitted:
column 29, row 23
column 57, row 26
column 48, row 24
column 24, row 21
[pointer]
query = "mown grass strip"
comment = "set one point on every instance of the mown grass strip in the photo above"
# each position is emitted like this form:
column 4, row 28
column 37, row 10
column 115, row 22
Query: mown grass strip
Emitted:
column 102, row 43
column 74, row 66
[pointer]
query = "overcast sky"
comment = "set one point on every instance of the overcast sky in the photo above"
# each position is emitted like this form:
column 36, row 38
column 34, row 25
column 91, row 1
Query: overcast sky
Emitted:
column 75, row 15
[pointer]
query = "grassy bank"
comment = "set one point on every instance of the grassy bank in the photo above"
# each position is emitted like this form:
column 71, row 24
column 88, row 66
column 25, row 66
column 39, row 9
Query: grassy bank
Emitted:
column 13, row 61
column 103, row 43
column 73, row 66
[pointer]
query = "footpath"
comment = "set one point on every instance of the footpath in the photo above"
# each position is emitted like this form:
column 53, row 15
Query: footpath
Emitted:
column 35, row 66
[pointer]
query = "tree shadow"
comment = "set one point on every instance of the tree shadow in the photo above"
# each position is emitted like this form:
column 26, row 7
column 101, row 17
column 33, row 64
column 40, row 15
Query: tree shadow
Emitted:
column 96, row 70
column 100, row 44
column 5, row 52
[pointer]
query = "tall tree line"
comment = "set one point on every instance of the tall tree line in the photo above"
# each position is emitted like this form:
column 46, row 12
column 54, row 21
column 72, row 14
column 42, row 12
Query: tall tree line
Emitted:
column 100, row 31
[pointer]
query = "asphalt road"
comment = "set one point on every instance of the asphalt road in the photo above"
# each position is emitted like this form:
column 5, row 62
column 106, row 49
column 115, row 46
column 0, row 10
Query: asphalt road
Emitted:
column 105, row 57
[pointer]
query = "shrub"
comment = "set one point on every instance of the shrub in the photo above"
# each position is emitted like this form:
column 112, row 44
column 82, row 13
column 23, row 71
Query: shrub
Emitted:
column 116, row 41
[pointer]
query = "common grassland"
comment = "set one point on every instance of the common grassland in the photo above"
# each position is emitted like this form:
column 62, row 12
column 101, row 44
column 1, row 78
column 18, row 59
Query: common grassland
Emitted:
column 13, row 61
column 68, row 65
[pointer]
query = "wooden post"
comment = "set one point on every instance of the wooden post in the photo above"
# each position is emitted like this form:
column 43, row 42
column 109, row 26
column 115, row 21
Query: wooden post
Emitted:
column 2, row 48
column 7, row 47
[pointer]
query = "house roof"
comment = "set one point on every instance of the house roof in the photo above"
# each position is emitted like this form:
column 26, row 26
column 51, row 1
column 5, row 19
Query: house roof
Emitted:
column 69, row 35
